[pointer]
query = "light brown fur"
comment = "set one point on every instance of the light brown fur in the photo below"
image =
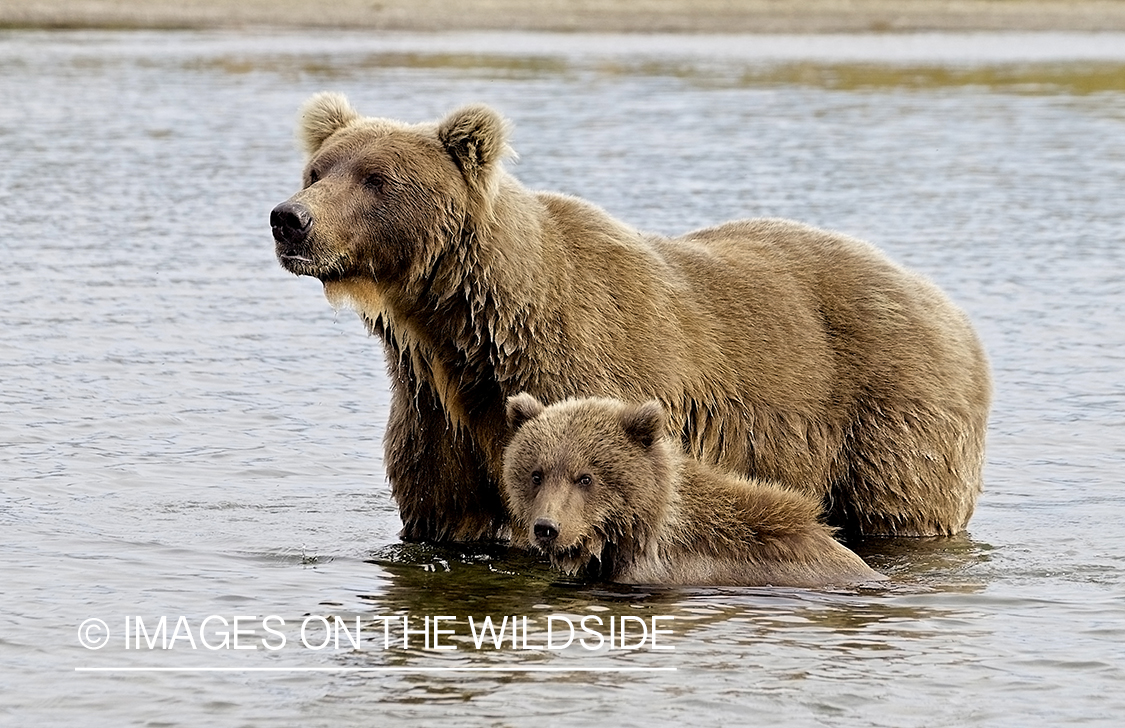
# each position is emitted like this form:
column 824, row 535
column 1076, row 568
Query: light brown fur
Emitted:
column 596, row 485
column 780, row 351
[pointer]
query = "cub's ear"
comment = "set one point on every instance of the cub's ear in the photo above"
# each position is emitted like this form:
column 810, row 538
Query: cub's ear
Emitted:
column 477, row 139
column 322, row 116
column 644, row 423
column 521, row 408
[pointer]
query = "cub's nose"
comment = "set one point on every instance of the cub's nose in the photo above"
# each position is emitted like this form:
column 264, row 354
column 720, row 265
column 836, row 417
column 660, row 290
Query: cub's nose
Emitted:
column 290, row 222
column 546, row 530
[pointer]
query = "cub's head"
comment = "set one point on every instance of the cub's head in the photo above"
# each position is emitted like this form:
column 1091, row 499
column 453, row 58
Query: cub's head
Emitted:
column 585, row 476
column 381, row 198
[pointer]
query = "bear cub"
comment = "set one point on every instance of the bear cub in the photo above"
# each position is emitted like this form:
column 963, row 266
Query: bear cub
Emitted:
column 596, row 485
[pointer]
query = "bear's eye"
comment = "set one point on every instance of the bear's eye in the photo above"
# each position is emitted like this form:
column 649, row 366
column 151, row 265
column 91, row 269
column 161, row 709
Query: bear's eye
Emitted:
column 375, row 181
column 537, row 478
column 585, row 480
column 313, row 177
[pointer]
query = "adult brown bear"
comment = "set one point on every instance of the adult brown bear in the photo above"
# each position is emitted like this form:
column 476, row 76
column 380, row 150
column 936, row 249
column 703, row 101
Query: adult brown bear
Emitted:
column 779, row 350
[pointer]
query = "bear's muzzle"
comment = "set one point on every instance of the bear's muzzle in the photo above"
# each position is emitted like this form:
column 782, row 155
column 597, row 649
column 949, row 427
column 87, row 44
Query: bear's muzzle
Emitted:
column 546, row 531
column 291, row 223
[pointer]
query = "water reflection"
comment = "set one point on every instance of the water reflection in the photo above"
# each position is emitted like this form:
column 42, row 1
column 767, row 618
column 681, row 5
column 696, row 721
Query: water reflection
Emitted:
column 498, row 581
column 797, row 650
column 918, row 560
column 1067, row 77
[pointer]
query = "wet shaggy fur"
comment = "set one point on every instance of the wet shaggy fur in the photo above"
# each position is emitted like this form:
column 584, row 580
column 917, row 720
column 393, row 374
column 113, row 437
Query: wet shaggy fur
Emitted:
column 780, row 351
column 596, row 485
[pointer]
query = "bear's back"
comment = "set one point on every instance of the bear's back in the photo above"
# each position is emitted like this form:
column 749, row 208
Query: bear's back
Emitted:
column 729, row 530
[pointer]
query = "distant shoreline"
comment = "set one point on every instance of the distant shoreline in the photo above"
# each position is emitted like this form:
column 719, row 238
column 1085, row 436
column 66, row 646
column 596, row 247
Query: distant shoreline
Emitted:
column 623, row 16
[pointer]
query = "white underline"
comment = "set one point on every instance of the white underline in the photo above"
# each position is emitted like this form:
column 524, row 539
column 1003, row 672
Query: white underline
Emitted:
column 376, row 669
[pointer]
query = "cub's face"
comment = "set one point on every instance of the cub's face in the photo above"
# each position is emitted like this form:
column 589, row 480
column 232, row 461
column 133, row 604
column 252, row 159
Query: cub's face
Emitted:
column 381, row 199
column 582, row 475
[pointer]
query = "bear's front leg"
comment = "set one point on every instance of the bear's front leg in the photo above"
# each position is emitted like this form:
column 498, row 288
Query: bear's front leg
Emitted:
column 438, row 474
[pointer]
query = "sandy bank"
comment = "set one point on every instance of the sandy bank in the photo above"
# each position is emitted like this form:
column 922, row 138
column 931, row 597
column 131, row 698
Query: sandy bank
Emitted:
column 685, row 16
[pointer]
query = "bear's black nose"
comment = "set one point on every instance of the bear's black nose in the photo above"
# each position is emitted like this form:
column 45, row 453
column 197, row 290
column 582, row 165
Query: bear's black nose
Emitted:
column 546, row 530
column 290, row 222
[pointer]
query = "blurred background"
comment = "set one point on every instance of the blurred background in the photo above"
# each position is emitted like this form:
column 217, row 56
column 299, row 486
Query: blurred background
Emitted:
column 652, row 16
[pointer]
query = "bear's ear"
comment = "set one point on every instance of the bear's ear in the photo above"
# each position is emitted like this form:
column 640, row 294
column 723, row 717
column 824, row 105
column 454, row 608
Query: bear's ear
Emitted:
column 521, row 408
column 477, row 139
column 322, row 116
column 644, row 423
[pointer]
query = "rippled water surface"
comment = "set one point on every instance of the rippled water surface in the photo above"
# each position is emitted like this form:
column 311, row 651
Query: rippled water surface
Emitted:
column 187, row 430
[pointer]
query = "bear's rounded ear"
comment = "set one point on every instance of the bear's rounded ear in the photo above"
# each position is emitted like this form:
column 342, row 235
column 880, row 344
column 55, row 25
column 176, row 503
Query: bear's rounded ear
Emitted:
column 644, row 423
column 521, row 408
column 322, row 116
column 477, row 139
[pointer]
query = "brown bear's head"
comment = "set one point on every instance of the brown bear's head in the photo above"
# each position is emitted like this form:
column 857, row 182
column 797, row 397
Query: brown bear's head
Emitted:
column 382, row 198
column 586, row 479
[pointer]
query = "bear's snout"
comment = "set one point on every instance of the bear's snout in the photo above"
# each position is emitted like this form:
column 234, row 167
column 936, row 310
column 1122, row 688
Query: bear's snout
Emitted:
column 546, row 531
column 291, row 222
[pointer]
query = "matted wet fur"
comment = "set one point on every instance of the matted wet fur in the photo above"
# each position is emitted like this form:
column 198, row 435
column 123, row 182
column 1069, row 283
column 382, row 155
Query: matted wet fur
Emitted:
column 595, row 484
column 780, row 351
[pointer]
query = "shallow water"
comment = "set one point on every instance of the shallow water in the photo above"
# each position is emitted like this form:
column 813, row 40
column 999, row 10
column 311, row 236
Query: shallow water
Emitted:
column 187, row 430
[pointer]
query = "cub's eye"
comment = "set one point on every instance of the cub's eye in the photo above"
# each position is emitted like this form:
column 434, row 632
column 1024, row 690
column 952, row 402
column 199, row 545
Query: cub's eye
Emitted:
column 313, row 177
column 585, row 480
column 537, row 478
column 375, row 181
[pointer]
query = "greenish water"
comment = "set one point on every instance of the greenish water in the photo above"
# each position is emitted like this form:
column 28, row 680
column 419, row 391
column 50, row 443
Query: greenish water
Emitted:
column 188, row 431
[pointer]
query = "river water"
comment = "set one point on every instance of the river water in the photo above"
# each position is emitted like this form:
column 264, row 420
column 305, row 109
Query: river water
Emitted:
column 189, row 432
